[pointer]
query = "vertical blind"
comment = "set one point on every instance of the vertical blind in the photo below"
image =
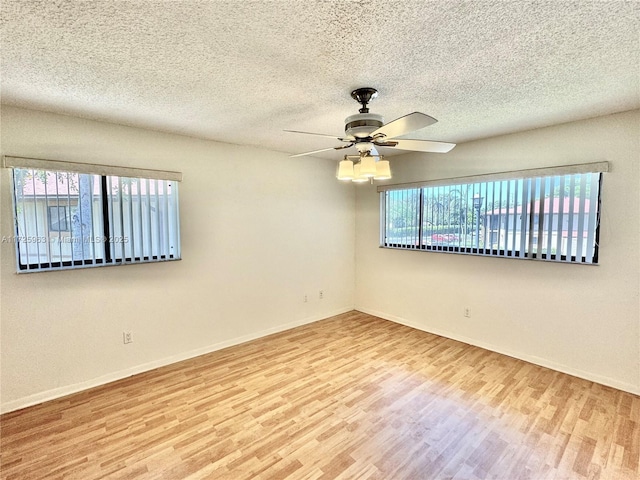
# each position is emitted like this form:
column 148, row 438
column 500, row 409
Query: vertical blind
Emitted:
column 544, row 214
column 68, row 219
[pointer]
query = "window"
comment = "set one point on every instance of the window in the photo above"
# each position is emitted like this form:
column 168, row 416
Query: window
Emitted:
column 544, row 214
column 58, row 218
column 70, row 219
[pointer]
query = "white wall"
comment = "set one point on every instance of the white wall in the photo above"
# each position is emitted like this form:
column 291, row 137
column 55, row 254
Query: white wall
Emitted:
column 584, row 320
column 259, row 230
column 265, row 229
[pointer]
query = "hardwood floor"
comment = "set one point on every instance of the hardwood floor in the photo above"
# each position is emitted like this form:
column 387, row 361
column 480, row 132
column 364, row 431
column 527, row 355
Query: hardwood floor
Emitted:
column 352, row 396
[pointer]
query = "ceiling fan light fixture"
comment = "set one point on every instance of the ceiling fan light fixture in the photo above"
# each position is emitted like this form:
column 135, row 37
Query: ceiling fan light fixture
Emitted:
column 357, row 176
column 367, row 166
column 345, row 170
column 383, row 170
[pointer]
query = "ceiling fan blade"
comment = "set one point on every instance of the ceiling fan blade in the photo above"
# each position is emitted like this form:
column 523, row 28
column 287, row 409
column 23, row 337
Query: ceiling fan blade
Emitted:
column 423, row 146
column 342, row 139
column 309, row 133
column 403, row 125
column 321, row 150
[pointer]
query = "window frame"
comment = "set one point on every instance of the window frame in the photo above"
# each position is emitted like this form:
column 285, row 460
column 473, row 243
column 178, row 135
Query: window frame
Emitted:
column 529, row 227
column 100, row 205
column 64, row 216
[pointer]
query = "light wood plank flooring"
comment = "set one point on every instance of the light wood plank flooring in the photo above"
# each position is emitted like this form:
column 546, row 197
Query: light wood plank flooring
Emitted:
column 351, row 397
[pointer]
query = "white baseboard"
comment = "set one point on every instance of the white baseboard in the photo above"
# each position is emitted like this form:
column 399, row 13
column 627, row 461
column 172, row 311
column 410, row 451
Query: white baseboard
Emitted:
column 119, row 375
column 543, row 362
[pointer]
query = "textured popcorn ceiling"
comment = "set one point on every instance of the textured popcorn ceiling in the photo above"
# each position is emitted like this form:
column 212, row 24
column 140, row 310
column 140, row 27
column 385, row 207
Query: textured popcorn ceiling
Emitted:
column 243, row 71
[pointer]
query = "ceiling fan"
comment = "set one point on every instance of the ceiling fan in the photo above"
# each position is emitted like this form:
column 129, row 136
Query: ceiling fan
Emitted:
column 366, row 130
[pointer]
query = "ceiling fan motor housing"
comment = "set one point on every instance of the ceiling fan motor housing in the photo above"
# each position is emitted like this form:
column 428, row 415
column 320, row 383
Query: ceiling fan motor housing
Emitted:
column 361, row 125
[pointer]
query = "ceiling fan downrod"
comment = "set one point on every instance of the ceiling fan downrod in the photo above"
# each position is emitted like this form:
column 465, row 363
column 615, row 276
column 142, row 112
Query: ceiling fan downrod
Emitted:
column 363, row 96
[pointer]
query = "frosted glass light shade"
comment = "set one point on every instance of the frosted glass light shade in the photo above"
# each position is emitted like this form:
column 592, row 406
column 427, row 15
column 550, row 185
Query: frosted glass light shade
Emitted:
column 357, row 177
column 383, row 170
column 345, row 170
column 367, row 166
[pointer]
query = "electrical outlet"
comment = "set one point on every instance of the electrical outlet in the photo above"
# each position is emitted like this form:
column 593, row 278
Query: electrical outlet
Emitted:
column 321, row 294
column 305, row 298
column 467, row 312
column 127, row 337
